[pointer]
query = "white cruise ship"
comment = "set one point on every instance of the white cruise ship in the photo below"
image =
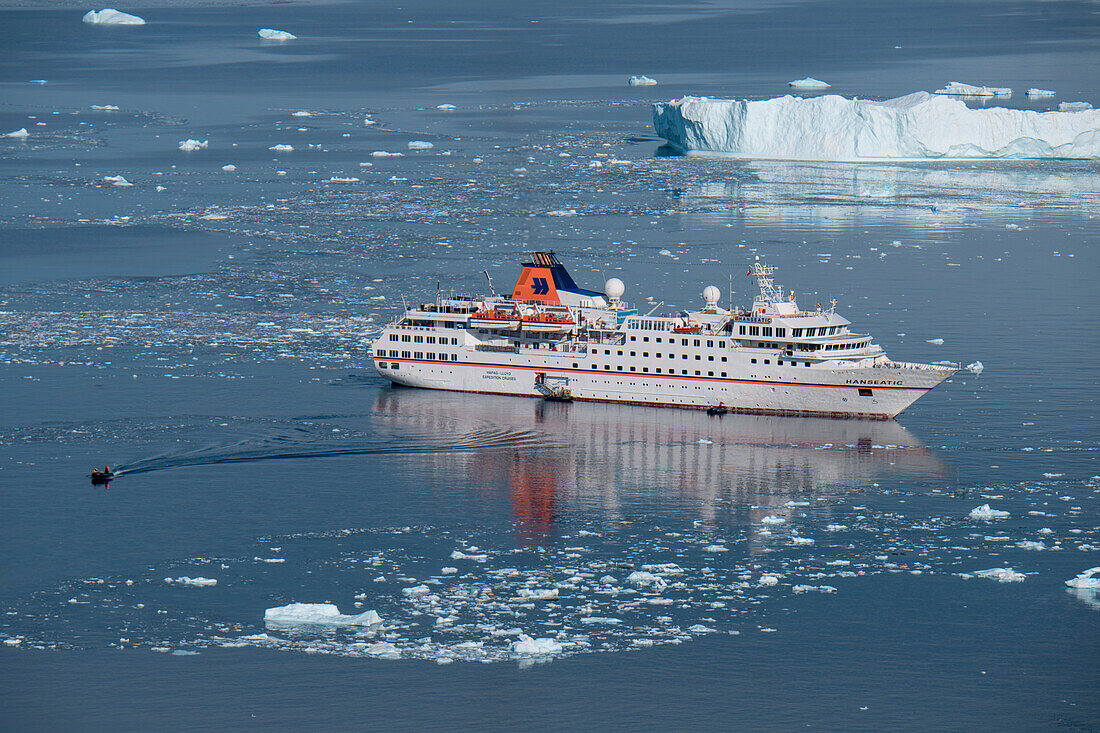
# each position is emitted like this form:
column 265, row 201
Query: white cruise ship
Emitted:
column 550, row 338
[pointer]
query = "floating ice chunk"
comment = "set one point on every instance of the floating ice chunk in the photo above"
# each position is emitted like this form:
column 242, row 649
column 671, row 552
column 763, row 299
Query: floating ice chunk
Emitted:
column 1053, row 475
column 110, row 16
column 538, row 594
column 270, row 34
column 337, row 179
column 959, row 89
column 835, row 527
column 771, row 519
column 527, row 645
column 1085, row 579
column 420, row 145
column 449, row 571
column 445, row 107
column 802, row 540
column 1074, row 106
column 562, row 212
column 976, row 367
column 229, row 168
column 1001, row 575
column 39, row 81
column 281, row 148
column 105, row 107
column 325, row 614
column 20, row 134
column 190, row 145
column 1029, row 545
column 641, row 81
column 600, row 620
column 808, row 83
column 117, row 181
column 642, row 577
column 384, row 650
column 700, row 629
column 385, row 154
column 716, row 548
column 813, row 588
column 459, row 555
column 937, row 342
column 1034, row 93
column 768, row 580
column 301, row 113
column 198, row 582
column 985, row 512
column 830, row 127
column 416, row 591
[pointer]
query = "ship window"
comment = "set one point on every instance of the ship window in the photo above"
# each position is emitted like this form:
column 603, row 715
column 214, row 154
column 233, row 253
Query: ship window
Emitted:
column 697, row 372
column 710, row 374
column 620, row 368
column 864, row 392
column 633, row 369
column 659, row 340
column 723, row 358
column 721, row 344
column 645, row 369
column 606, row 367
column 780, row 332
column 767, row 361
column 431, row 339
column 431, row 356
column 807, row 364
column 741, row 330
column 645, row 353
column 406, row 337
column 632, row 353
column 753, row 361
column 767, row 331
column 754, row 330
column 697, row 357
column 645, row 338
column 454, row 357
column 393, row 337
column 723, row 374
column 710, row 358
column 633, row 338
column 658, row 370
column 657, row 355
column 683, row 356
column 780, row 362
column 418, row 339
column 710, row 344
column 607, row 351
column 418, row 354
column 683, row 342
column 620, row 353
column 595, row 366
column 405, row 354
column 796, row 332
column 696, row 342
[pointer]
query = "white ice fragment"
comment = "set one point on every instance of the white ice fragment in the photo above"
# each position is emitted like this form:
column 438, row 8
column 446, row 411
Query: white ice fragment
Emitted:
column 198, row 582
column 385, row 154
column 835, row 527
column 808, row 83
column 20, row 134
column 281, row 148
column 937, row 342
column 641, row 81
column 562, row 212
column 834, row 128
column 301, row 113
column 1085, row 579
column 117, row 181
column 105, row 107
column 449, row 571
column 812, row 588
column 985, row 512
column 416, row 591
column 768, row 580
column 716, row 548
column 802, row 540
column 600, row 620
column 1074, row 106
column 229, row 168
column 190, row 145
column 527, row 645
column 420, row 145
column 957, row 88
column 771, row 519
column 445, row 107
column 1001, row 575
column 1029, row 545
column 459, row 555
column 384, row 650
column 700, row 629
column 110, row 16
column 270, row 34
column 325, row 614
column 338, row 179
column 537, row 594
column 976, row 367
column 1034, row 93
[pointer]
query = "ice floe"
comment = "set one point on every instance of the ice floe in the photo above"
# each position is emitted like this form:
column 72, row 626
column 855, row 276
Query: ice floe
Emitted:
column 1086, row 579
column 1001, row 575
column 641, row 81
column 985, row 512
column 420, row 145
column 527, row 645
column 937, row 342
column 270, row 34
column 20, row 134
column 957, row 88
column 282, row 148
column 976, row 367
column 104, row 107
column 1034, row 93
column 117, row 181
column 110, row 16
column 229, row 168
column 190, row 145
column 808, row 83
column 834, row 128
column 1074, row 106
column 198, row 582
column 325, row 614
column 446, row 107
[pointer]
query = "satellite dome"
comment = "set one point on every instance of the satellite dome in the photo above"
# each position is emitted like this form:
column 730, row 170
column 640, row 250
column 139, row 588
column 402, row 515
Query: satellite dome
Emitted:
column 711, row 295
column 614, row 288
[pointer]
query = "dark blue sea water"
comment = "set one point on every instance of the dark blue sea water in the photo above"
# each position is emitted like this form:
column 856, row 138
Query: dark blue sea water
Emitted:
column 205, row 331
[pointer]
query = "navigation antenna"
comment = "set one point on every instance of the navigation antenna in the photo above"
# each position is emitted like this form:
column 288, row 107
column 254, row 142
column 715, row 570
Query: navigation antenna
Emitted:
column 766, row 283
column 491, row 291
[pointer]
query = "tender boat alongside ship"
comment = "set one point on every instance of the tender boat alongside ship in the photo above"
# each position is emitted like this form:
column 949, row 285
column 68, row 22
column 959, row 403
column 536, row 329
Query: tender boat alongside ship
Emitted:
column 552, row 339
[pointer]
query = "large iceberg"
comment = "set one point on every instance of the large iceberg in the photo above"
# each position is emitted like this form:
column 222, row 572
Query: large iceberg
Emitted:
column 319, row 614
column 959, row 89
column 110, row 16
column 831, row 127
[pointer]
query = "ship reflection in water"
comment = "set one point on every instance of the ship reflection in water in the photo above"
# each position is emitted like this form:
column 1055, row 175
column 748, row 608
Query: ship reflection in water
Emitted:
column 619, row 460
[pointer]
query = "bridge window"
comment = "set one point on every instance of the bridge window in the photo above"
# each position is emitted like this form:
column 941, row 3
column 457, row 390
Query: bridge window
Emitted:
column 754, row 330
column 781, row 332
column 796, row 332
column 767, row 331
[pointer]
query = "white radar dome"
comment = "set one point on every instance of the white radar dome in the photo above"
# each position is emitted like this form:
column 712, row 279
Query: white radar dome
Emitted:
column 711, row 295
column 614, row 288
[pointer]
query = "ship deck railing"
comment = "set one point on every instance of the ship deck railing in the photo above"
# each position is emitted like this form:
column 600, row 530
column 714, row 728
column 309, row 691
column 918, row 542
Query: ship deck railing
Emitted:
column 921, row 367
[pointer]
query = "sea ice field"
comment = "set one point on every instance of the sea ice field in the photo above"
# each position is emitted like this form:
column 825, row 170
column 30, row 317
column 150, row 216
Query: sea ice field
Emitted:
column 207, row 216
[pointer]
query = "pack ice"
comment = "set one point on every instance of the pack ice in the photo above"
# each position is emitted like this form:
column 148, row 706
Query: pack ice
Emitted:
column 835, row 128
column 110, row 16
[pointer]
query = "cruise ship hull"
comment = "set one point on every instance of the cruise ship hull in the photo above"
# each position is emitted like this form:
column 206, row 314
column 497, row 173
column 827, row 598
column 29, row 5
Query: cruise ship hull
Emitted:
column 840, row 394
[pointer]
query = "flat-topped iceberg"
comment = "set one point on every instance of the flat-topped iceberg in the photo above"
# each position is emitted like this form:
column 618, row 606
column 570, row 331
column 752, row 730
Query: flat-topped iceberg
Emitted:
column 957, row 88
column 835, row 128
column 641, row 81
column 270, row 34
column 323, row 614
column 808, row 83
column 1034, row 93
column 110, row 16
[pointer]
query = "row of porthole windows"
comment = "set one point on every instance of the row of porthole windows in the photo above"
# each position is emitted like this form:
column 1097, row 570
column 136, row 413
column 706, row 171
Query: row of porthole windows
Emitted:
column 430, row 356
column 645, row 370
column 423, row 339
column 684, row 342
column 658, row 355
